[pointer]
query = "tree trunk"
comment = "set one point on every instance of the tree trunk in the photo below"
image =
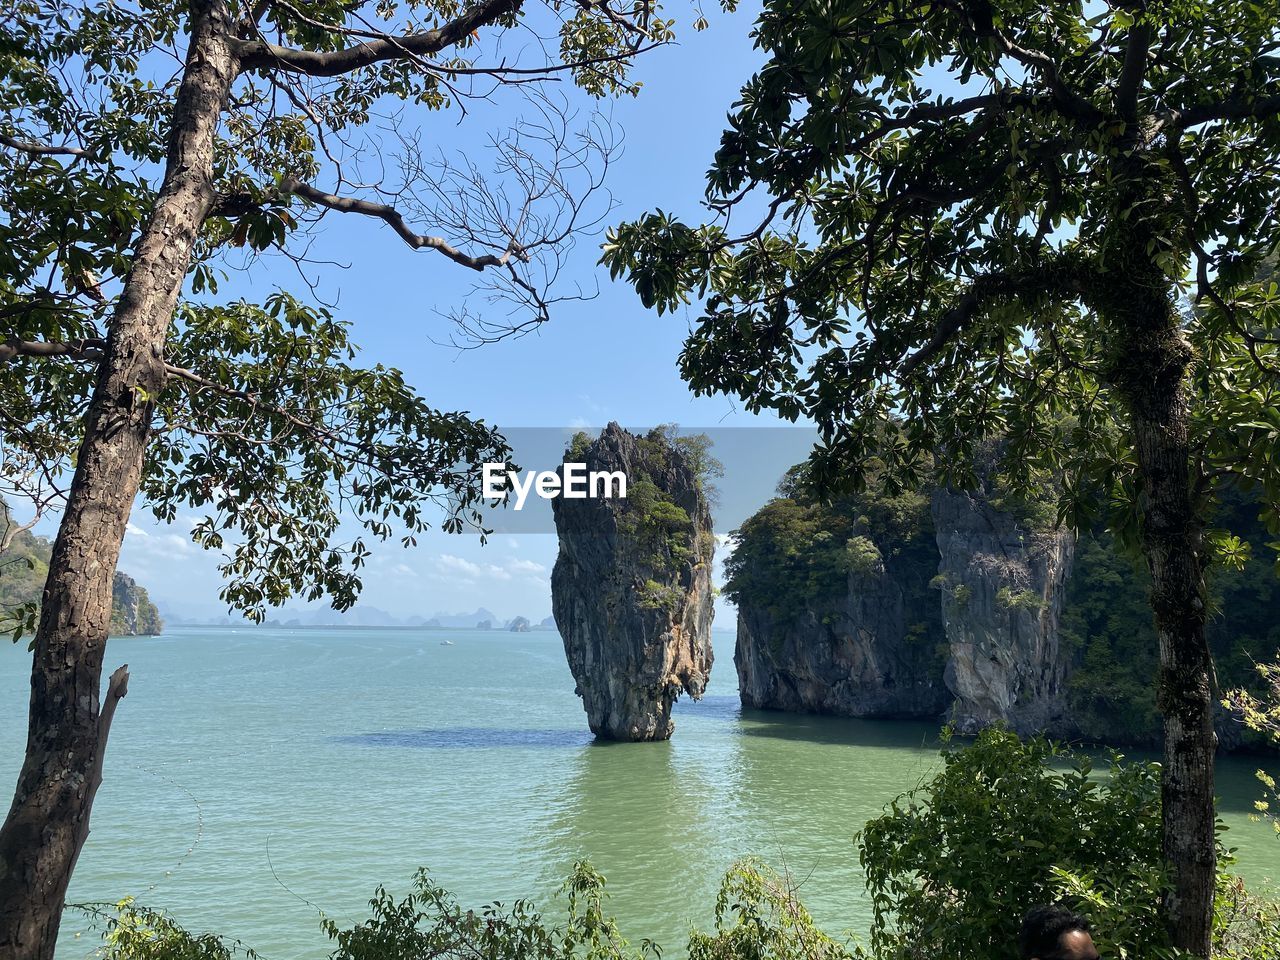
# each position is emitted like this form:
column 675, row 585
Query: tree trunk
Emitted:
column 1154, row 385
column 48, row 821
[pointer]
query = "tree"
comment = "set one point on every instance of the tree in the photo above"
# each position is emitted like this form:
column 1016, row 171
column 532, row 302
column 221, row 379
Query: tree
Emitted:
column 927, row 270
column 129, row 189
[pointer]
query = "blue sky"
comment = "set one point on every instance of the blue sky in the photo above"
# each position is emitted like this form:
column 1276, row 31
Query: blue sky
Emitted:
column 600, row 360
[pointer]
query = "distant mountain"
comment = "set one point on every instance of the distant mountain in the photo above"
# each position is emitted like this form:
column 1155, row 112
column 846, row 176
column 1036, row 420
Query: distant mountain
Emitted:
column 548, row 623
column 24, row 566
column 518, row 625
column 464, row 620
column 358, row 616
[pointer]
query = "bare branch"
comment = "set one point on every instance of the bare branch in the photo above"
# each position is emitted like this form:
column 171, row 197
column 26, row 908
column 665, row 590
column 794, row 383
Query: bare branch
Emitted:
column 396, row 221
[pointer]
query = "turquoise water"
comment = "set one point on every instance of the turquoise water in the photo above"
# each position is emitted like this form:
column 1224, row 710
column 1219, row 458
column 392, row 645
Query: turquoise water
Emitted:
column 257, row 776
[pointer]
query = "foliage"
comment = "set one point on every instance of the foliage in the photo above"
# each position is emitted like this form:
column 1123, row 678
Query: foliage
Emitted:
column 1007, row 824
column 133, row 932
column 954, row 197
column 1109, row 636
column 1012, row 599
column 760, row 917
column 426, row 924
column 267, row 430
column 1261, row 714
column 695, row 449
column 797, row 552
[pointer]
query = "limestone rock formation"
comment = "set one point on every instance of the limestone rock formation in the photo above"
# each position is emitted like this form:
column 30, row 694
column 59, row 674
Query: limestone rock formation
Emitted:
column 631, row 588
column 872, row 649
column 24, row 566
column 132, row 612
column 1003, row 587
column 923, row 604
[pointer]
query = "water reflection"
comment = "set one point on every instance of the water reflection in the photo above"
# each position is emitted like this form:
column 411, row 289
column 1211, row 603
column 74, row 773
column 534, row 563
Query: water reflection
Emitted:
column 646, row 820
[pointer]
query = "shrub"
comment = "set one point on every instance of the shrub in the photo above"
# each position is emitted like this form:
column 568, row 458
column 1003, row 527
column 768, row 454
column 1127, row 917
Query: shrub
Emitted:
column 954, row 865
column 759, row 917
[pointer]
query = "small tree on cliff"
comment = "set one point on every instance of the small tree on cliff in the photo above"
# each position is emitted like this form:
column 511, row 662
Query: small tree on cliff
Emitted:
column 922, row 271
column 127, row 188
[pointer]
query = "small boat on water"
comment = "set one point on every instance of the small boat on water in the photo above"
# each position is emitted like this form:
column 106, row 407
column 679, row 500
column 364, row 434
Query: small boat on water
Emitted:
column 446, row 643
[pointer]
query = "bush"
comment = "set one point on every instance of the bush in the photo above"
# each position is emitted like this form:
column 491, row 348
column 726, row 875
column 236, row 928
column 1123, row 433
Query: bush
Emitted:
column 759, row 917
column 427, row 924
column 954, row 865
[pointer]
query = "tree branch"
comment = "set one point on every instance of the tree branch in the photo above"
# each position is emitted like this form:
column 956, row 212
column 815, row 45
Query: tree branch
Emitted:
column 1236, row 107
column 41, row 149
column 1072, row 103
column 117, row 687
column 76, row 349
column 1133, row 72
column 260, row 55
column 395, row 220
column 949, row 324
column 1038, row 283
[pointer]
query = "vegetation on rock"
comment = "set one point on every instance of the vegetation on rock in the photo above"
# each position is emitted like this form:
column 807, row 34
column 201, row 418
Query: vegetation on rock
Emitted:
column 24, row 567
column 1109, row 634
column 799, row 550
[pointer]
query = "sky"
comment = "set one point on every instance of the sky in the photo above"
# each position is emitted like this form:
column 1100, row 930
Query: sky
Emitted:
column 596, row 361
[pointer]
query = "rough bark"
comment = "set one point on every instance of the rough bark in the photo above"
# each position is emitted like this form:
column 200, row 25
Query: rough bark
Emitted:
column 1151, row 377
column 67, row 730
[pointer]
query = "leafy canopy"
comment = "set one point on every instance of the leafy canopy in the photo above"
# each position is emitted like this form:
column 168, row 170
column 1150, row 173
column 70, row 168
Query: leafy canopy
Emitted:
column 968, row 219
column 268, row 429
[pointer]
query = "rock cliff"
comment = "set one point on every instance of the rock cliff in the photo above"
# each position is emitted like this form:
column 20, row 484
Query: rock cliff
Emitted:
column 870, row 647
column 1020, row 623
column 925, row 604
column 631, row 588
column 24, row 566
column 1003, row 583
column 132, row 612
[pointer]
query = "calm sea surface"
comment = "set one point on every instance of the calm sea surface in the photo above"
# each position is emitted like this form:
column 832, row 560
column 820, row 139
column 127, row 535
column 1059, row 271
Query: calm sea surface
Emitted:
column 256, row 777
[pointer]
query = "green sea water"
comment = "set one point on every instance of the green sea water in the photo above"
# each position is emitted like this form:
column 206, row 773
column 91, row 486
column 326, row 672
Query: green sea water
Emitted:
column 259, row 776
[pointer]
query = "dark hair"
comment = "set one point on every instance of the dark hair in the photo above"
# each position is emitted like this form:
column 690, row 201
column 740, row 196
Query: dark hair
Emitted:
column 1043, row 927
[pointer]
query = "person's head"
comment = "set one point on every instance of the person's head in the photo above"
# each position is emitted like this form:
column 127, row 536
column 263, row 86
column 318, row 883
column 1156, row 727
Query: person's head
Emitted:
column 1052, row 932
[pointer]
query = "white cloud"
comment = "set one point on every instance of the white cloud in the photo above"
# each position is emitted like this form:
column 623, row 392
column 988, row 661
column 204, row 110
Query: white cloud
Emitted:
column 526, row 566
column 449, row 564
column 133, row 530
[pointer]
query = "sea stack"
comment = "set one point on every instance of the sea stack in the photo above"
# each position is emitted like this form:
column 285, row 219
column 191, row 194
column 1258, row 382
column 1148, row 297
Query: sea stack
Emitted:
column 631, row 589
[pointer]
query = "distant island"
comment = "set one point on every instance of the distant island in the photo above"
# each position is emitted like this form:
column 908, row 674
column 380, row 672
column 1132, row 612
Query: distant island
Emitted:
column 366, row 616
column 25, row 565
